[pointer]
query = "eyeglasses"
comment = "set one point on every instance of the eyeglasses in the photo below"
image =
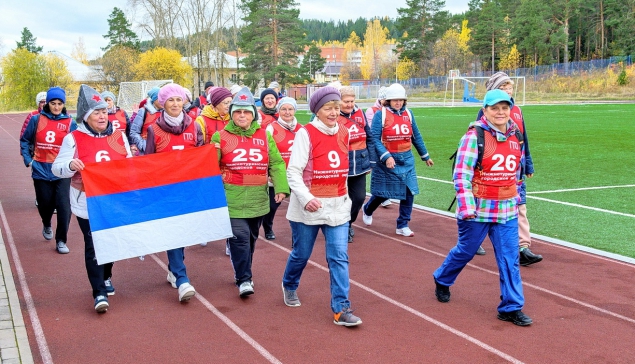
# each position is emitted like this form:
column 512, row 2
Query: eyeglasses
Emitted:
column 42, row 102
column 507, row 88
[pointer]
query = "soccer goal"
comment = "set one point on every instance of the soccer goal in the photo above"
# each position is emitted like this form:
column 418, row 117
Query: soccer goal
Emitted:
column 131, row 93
column 468, row 90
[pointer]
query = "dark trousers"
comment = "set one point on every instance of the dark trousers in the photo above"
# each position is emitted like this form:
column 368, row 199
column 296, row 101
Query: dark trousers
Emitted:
column 97, row 274
column 267, row 220
column 242, row 246
column 357, row 193
column 51, row 195
column 405, row 208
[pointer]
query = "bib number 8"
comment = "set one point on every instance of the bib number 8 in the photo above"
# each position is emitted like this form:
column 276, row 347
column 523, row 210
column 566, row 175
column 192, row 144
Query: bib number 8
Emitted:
column 50, row 136
column 510, row 163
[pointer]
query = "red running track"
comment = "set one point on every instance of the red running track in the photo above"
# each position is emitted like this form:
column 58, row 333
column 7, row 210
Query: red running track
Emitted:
column 581, row 304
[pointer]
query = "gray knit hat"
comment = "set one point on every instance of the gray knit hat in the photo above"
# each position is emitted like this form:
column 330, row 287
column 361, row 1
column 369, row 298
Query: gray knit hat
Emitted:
column 88, row 101
column 243, row 100
column 497, row 80
column 110, row 95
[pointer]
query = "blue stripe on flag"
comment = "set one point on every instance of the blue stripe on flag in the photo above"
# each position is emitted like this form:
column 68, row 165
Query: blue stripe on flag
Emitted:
column 120, row 209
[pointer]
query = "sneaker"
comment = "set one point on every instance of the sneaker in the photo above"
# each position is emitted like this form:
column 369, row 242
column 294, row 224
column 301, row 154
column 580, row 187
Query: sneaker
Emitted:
column 351, row 234
column 227, row 249
column 346, row 318
column 515, row 317
column 270, row 236
column 405, row 232
column 109, row 287
column 245, row 289
column 528, row 258
column 186, row 291
column 442, row 292
column 204, row 244
column 171, row 279
column 101, row 304
column 36, row 202
column 47, row 232
column 386, row 203
column 290, row 297
column 55, row 211
column 480, row 251
column 61, row 247
column 368, row 220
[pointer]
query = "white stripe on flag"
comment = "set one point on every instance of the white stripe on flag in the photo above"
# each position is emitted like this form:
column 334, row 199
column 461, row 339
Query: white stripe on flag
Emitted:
column 154, row 236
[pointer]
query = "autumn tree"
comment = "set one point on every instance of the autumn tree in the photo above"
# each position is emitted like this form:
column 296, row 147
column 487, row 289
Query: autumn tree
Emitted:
column 118, row 65
column 510, row 60
column 27, row 41
column 375, row 39
column 119, row 32
column 79, row 51
column 26, row 73
column 452, row 50
column 406, row 69
column 163, row 64
column 273, row 38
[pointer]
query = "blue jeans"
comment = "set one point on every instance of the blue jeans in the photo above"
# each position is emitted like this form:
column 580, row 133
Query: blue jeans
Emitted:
column 405, row 208
column 504, row 238
column 336, row 256
column 176, row 265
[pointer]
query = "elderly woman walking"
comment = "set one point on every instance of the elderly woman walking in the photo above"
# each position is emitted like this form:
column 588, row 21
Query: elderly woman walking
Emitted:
column 317, row 173
column 247, row 156
column 95, row 140
column 39, row 145
column 174, row 130
column 215, row 114
column 394, row 132
column 268, row 111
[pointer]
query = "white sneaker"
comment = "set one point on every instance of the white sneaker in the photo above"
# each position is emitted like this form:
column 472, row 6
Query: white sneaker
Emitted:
column 171, row 279
column 405, row 232
column 227, row 248
column 368, row 220
column 186, row 291
column 245, row 289
column 386, row 203
column 204, row 244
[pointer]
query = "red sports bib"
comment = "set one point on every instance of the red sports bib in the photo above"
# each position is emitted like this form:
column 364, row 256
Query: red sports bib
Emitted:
column 284, row 139
column 90, row 149
column 118, row 120
column 212, row 126
column 356, row 133
column 517, row 117
column 497, row 179
column 327, row 169
column 149, row 119
column 267, row 119
column 166, row 142
column 244, row 160
column 48, row 138
column 397, row 133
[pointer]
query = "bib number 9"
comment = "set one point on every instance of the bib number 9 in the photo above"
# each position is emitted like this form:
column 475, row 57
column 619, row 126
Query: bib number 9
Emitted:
column 334, row 159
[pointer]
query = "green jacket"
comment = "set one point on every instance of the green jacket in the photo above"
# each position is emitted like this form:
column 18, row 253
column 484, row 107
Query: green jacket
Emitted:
column 253, row 201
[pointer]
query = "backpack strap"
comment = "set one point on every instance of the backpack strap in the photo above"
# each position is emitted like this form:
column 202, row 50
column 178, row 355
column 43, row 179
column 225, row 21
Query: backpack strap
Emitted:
column 383, row 116
column 480, row 144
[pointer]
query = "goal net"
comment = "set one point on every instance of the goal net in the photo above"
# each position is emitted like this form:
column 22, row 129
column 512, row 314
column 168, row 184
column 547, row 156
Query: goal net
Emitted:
column 463, row 90
column 131, row 93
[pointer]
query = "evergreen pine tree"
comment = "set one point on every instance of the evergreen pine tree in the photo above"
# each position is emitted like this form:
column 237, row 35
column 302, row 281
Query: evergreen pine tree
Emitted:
column 27, row 41
column 119, row 32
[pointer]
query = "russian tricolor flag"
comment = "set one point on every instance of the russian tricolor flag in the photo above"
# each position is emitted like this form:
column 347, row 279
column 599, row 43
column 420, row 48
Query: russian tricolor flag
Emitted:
column 154, row 203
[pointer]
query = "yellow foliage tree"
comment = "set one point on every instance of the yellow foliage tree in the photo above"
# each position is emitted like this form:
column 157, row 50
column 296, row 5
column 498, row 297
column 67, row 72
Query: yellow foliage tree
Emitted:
column 375, row 38
column 79, row 51
column 118, row 65
column 405, row 69
column 57, row 73
column 162, row 64
column 511, row 60
column 452, row 51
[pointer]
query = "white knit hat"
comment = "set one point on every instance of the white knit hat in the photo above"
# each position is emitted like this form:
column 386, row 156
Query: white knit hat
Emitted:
column 396, row 92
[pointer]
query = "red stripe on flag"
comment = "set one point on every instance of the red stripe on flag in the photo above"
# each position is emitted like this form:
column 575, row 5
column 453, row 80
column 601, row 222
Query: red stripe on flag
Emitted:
column 152, row 170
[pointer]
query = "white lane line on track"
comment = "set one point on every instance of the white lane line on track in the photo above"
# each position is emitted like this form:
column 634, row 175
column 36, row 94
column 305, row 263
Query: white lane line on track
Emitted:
column 11, row 135
column 567, row 298
column 431, row 320
column 243, row 335
column 580, row 189
column 35, row 321
column 529, row 195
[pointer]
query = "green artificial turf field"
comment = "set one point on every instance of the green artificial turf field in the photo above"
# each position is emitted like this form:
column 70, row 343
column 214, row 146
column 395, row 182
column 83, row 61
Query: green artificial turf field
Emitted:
column 574, row 148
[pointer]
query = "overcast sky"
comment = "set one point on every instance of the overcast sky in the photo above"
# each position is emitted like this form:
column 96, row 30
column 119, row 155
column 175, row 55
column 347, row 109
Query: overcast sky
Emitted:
column 57, row 25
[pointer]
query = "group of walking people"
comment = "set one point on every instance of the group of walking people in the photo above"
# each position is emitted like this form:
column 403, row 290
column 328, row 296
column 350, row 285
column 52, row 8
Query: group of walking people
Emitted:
column 266, row 156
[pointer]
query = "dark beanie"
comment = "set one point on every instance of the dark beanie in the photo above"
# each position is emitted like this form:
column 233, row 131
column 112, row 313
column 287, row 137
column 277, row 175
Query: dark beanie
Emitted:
column 55, row 93
column 208, row 84
column 322, row 96
column 219, row 94
column 268, row 91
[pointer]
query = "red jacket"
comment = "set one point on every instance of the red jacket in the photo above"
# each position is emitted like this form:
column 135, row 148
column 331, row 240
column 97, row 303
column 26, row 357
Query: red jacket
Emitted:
column 26, row 121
